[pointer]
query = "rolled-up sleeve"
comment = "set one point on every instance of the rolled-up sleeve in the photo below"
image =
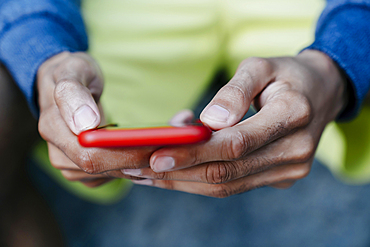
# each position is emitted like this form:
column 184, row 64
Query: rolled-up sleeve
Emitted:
column 343, row 33
column 33, row 31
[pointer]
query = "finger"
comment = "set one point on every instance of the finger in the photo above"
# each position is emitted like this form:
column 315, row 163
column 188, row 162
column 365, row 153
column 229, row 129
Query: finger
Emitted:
column 181, row 118
column 79, row 175
column 298, row 147
column 283, row 185
column 59, row 160
column 71, row 171
column 96, row 182
column 119, row 174
column 90, row 160
column 272, row 176
column 76, row 82
column 276, row 119
column 232, row 101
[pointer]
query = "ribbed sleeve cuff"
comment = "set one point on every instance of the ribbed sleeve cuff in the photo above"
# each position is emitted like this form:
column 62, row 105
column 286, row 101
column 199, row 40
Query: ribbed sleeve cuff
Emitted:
column 343, row 33
column 27, row 44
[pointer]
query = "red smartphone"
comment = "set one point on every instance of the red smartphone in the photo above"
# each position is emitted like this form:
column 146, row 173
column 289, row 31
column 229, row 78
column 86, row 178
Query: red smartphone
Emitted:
column 139, row 137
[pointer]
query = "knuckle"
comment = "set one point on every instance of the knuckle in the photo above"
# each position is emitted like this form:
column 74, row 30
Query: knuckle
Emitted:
column 45, row 122
column 258, row 164
column 160, row 176
column 260, row 63
column 302, row 112
column 80, row 62
column 217, row 173
column 305, row 151
column 235, row 91
column 302, row 171
column 236, row 146
column 293, row 117
column 220, row 191
column 42, row 127
column 54, row 161
column 77, row 63
column 86, row 162
column 196, row 158
column 63, row 88
column 277, row 129
column 68, row 175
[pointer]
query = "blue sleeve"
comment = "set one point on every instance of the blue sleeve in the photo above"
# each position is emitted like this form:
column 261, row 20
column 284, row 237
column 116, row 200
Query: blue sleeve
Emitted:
column 31, row 31
column 343, row 33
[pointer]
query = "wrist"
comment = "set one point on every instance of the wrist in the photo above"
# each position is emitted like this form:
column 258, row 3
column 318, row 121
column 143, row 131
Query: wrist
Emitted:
column 334, row 82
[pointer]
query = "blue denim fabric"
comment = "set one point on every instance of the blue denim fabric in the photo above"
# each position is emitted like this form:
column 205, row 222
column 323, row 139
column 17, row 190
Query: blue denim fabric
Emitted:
column 316, row 211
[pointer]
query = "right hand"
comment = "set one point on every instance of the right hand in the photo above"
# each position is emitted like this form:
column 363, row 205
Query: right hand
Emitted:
column 296, row 97
column 69, row 87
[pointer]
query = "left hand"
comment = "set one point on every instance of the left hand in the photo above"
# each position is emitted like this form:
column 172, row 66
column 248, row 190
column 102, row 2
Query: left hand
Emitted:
column 69, row 86
column 296, row 98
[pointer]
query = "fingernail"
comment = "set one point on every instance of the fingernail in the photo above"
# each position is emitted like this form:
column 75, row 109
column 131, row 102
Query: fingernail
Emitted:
column 143, row 182
column 131, row 172
column 162, row 164
column 84, row 118
column 217, row 113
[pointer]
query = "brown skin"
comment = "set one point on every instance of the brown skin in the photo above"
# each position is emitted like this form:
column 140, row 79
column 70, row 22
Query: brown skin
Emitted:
column 67, row 83
column 296, row 98
column 25, row 218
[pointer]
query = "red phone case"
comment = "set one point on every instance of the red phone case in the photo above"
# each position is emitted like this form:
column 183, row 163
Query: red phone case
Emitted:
column 157, row 136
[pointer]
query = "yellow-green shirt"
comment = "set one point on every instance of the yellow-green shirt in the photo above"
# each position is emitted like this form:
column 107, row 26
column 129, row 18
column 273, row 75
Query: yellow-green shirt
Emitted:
column 158, row 56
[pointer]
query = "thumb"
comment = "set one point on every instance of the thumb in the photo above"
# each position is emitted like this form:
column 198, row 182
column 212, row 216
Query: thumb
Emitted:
column 78, row 86
column 232, row 101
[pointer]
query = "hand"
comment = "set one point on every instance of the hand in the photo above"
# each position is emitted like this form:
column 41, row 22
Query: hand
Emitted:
column 296, row 97
column 69, row 87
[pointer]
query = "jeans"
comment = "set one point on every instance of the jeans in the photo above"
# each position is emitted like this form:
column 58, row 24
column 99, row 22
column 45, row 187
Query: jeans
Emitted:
column 316, row 211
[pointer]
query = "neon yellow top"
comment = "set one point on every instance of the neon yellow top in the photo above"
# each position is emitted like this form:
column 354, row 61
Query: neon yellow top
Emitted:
column 158, row 56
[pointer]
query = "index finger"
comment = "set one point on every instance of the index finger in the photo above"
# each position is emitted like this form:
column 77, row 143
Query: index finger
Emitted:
column 276, row 118
column 90, row 160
